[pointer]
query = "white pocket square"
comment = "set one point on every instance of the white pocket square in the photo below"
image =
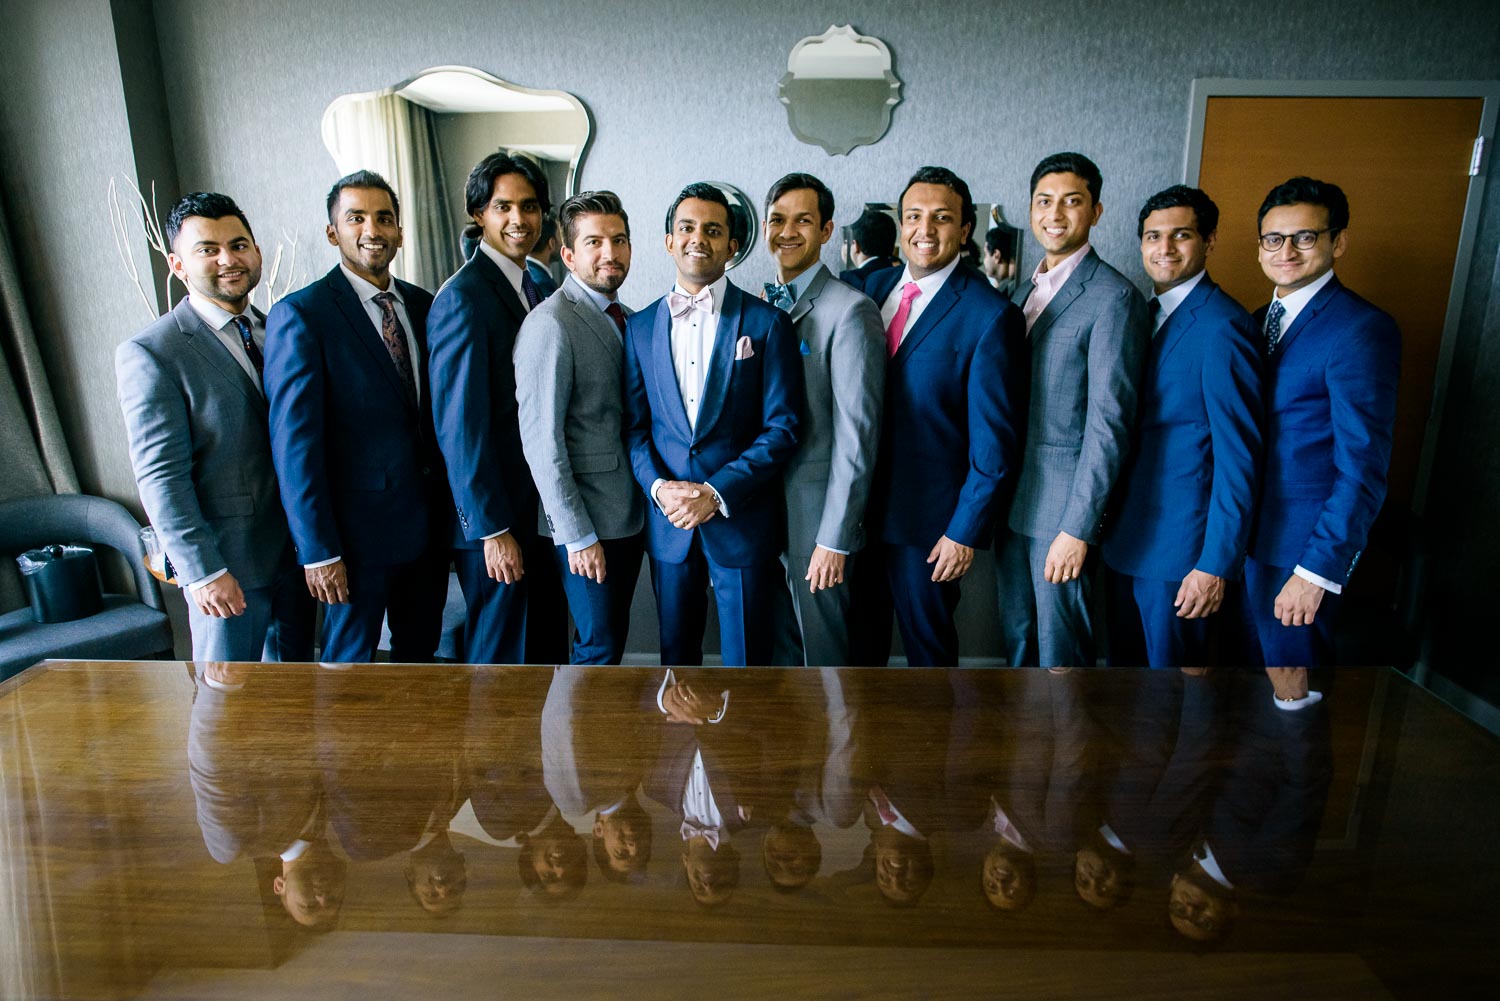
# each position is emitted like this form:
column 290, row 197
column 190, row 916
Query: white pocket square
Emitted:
column 743, row 350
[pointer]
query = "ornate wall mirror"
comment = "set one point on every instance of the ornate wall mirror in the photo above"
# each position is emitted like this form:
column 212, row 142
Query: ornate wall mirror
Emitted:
column 426, row 134
column 839, row 89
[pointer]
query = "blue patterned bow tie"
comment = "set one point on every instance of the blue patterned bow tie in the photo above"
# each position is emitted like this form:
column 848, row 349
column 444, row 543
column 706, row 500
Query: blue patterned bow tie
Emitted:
column 780, row 296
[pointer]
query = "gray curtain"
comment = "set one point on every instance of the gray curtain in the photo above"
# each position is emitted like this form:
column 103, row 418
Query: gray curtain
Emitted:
column 398, row 139
column 34, row 456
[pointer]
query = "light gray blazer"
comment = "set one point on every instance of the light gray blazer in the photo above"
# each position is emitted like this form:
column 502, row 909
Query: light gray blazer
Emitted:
column 843, row 362
column 568, row 359
column 1088, row 350
column 200, row 445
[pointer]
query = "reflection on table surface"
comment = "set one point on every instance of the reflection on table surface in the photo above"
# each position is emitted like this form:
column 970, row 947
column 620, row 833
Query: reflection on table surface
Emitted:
column 257, row 831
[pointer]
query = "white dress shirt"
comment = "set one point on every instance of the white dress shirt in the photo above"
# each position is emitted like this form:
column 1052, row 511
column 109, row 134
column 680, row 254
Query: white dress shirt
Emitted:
column 929, row 286
column 692, row 351
column 881, row 801
column 1004, row 827
column 1047, row 281
column 1293, row 303
column 1168, row 301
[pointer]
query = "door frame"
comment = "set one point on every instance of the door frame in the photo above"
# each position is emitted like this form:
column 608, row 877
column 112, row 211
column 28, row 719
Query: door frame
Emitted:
column 1487, row 90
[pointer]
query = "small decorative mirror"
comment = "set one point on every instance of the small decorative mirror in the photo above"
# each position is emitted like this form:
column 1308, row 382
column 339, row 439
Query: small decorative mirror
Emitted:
column 839, row 89
column 425, row 135
column 742, row 224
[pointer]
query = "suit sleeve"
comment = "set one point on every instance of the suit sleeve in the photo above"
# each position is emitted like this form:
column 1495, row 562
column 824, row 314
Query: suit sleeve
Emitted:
column 544, row 386
column 857, row 371
column 998, row 393
column 157, row 425
column 1232, row 397
column 784, row 394
column 459, row 362
column 1363, row 371
column 294, row 380
column 1117, row 354
column 645, row 462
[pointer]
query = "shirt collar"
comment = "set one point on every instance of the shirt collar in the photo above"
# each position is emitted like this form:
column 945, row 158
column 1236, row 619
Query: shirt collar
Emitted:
column 367, row 291
column 1053, row 278
column 216, row 316
column 716, row 293
column 509, row 268
column 931, row 283
column 799, row 284
column 1169, row 300
column 1294, row 302
column 597, row 298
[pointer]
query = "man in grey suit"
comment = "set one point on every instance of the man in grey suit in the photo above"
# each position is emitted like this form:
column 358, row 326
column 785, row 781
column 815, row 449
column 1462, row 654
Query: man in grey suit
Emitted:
column 568, row 358
column 828, row 479
column 196, row 419
column 1089, row 334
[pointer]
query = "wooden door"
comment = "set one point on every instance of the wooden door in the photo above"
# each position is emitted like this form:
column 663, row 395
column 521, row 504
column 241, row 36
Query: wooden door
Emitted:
column 1404, row 163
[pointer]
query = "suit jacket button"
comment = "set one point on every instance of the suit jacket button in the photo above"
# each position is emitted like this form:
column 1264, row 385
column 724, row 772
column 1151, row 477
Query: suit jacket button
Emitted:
column 426, row 470
column 697, row 451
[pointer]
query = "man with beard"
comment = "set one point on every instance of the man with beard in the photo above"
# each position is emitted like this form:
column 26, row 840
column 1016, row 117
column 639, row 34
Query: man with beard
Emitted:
column 351, row 436
column 508, row 572
column 196, row 419
column 568, row 358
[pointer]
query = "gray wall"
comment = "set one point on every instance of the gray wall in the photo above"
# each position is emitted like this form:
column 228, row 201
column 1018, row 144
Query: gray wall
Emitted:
column 680, row 92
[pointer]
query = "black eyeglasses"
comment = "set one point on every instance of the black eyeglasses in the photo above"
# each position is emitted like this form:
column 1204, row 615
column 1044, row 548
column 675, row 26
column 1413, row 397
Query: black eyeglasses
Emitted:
column 1303, row 239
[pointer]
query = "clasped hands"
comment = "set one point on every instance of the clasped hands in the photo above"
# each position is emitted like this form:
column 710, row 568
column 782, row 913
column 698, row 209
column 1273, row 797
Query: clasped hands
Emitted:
column 684, row 704
column 687, row 505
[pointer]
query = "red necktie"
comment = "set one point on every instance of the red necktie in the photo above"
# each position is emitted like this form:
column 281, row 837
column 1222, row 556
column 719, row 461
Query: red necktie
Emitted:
column 614, row 312
column 897, row 329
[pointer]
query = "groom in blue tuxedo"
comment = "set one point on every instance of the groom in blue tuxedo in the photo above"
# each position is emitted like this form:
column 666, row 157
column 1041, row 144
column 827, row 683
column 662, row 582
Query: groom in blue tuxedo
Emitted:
column 713, row 387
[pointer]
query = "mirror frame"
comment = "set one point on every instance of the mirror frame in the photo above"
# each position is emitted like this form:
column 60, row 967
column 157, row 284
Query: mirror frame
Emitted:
column 895, row 84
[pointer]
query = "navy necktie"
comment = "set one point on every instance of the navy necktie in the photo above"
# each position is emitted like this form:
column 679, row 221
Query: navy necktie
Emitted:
column 252, row 350
column 1273, row 325
column 532, row 293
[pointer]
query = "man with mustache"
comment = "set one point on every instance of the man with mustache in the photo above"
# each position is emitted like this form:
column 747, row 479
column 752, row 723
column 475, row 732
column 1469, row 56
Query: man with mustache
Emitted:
column 196, row 419
column 507, row 570
column 361, row 476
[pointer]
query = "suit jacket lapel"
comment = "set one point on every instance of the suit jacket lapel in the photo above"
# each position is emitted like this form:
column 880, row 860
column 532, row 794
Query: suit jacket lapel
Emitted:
column 1071, row 290
column 207, row 344
column 1181, row 320
column 944, row 299
column 503, row 288
column 665, row 373
column 804, row 303
column 363, row 330
column 721, row 363
column 601, row 326
column 1312, row 309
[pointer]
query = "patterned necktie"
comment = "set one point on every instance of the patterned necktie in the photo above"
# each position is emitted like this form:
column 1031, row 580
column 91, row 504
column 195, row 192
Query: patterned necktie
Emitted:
column 1273, row 325
column 614, row 312
column 780, row 296
column 242, row 324
column 897, row 329
column 528, row 287
column 395, row 343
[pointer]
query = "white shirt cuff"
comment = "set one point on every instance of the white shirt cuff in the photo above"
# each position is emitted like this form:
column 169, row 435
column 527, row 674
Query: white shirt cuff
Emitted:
column 655, row 486
column 222, row 686
column 1292, row 705
column 493, row 535
column 321, row 563
column 205, row 581
column 579, row 545
column 1313, row 578
column 841, row 552
column 723, row 508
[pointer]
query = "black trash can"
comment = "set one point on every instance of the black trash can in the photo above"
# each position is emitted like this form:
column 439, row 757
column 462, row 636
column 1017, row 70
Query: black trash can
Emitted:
column 62, row 582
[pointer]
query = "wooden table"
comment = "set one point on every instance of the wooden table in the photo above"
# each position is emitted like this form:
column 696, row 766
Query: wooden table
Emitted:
column 145, row 809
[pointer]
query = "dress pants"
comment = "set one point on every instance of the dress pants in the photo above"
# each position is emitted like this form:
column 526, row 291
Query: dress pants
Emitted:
column 1042, row 624
column 812, row 629
column 1271, row 644
column 277, row 624
column 1144, row 627
column 520, row 623
column 896, row 581
column 745, row 598
column 409, row 597
column 601, row 612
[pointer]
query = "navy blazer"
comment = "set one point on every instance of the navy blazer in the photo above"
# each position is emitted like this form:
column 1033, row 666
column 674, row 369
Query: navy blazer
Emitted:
column 746, row 431
column 360, row 473
column 472, row 334
column 858, row 277
column 1188, row 494
column 956, row 396
column 1330, row 417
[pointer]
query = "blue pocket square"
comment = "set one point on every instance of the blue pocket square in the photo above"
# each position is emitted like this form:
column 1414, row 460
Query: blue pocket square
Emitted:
column 806, row 349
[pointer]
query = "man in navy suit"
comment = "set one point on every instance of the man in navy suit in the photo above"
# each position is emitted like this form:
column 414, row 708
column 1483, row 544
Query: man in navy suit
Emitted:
column 1188, row 492
column 872, row 245
column 361, row 477
column 713, row 385
column 509, row 575
column 955, row 400
column 1333, row 364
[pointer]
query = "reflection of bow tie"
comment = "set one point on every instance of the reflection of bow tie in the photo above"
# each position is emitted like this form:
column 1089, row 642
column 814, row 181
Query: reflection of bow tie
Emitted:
column 679, row 303
column 709, row 834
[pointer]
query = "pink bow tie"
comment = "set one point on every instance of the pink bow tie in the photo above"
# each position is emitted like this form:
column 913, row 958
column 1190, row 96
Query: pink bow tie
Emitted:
column 679, row 304
column 709, row 834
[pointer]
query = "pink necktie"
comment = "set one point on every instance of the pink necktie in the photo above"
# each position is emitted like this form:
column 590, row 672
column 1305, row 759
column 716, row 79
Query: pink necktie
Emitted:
column 894, row 332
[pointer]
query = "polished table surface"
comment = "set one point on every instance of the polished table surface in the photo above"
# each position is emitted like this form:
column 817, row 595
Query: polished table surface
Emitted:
column 393, row 831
